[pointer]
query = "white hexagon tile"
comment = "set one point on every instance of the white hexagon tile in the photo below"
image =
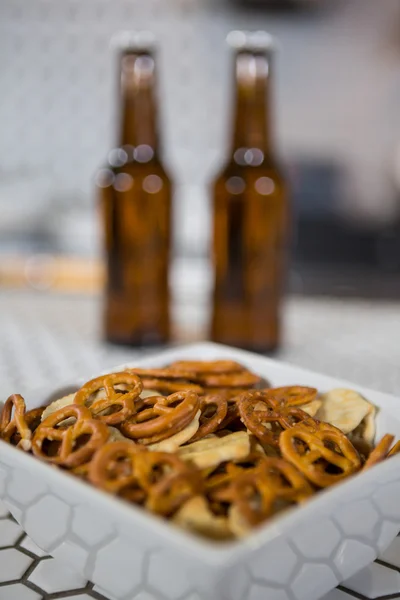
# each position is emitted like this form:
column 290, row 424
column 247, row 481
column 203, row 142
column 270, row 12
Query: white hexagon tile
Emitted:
column 27, row 573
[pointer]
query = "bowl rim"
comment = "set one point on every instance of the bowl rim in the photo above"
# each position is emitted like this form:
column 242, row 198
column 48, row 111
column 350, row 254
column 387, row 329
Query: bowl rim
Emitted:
column 212, row 552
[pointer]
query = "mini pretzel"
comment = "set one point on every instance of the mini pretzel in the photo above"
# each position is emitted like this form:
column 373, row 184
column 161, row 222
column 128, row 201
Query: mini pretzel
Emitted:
column 9, row 424
column 167, row 480
column 113, row 470
column 320, row 451
column 33, row 418
column 166, row 373
column 266, row 418
column 260, row 492
column 242, row 379
column 73, row 448
column 167, row 386
column 395, row 449
column 158, row 416
column 204, row 366
column 214, row 409
column 101, row 407
column 380, row 452
column 225, row 474
column 294, row 395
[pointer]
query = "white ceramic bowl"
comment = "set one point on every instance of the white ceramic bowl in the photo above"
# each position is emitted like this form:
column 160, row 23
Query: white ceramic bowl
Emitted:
column 130, row 554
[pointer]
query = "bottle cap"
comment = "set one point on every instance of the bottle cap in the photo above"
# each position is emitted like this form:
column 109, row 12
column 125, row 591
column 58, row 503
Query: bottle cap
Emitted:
column 135, row 40
column 251, row 40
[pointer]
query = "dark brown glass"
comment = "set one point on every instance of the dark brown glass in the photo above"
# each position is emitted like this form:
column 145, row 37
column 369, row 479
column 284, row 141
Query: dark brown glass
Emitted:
column 250, row 215
column 135, row 193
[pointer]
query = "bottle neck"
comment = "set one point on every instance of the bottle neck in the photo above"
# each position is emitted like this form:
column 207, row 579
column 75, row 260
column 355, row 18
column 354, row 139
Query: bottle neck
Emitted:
column 252, row 112
column 139, row 108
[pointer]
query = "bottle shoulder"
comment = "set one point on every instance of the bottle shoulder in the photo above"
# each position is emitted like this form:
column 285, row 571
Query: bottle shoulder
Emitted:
column 268, row 168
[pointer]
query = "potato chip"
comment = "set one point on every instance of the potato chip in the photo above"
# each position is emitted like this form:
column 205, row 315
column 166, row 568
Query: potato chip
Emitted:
column 343, row 408
column 173, row 443
column 311, row 408
column 212, row 452
column 195, row 515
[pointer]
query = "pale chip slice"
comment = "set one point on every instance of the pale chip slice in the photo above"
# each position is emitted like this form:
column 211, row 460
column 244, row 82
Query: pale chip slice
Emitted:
column 196, row 516
column 172, row 443
column 117, row 436
column 212, row 452
column 57, row 404
column 237, row 523
column 311, row 408
column 343, row 408
column 370, row 425
column 150, row 393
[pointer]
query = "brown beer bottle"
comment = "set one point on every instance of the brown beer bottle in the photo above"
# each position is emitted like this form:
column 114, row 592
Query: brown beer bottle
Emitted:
column 250, row 212
column 135, row 193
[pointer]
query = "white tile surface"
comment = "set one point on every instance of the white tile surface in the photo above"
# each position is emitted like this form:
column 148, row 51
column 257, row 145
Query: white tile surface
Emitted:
column 392, row 554
column 13, row 564
column 18, row 592
column 3, row 510
column 337, row 595
column 9, row 533
column 52, row 576
column 374, row 581
column 29, row 545
column 100, row 590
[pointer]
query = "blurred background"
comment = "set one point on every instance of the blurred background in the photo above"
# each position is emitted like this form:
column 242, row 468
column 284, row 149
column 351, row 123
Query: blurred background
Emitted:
column 337, row 120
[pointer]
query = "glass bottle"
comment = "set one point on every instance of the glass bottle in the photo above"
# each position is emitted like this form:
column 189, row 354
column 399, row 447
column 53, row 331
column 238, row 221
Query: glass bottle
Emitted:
column 135, row 194
column 250, row 211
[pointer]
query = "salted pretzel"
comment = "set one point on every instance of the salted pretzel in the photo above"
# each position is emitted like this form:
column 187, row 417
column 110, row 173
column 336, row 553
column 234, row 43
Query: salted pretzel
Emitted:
column 162, row 373
column 214, row 410
column 221, row 477
column 33, row 419
column 266, row 418
column 170, row 386
column 160, row 417
column 204, row 366
column 115, row 405
column 293, row 395
column 113, row 469
column 260, row 492
column 241, row 379
column 74, row 444
column 395, row 450
column 380, row 452
column 320, row 451
column 10, row 423
column 167, row 480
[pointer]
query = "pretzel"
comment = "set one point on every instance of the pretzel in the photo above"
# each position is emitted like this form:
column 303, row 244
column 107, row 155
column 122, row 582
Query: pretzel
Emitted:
column 258, row 493
column 226, row 473
column 167, row 480
column 33, row 419
column 204, row 366
column 9, row 424
column 214, row 409
column 159, row 417
column 242, row 379
column 101, row 407
column 380, row 452
column 170, row 386
column 318, row 450
column 294, row 395
column 113, row 469
column 266, row 418
column 70, row 451
column 166, row 373
column 394, row 450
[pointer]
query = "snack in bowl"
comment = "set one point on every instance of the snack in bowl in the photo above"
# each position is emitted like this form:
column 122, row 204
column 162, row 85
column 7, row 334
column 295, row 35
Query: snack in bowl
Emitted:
column 209, row 445
column 228, row 517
